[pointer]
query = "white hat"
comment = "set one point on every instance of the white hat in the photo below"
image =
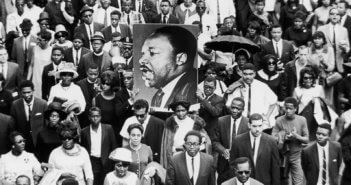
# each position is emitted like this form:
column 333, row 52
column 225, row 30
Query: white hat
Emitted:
column 67, row 67
column 121, row 154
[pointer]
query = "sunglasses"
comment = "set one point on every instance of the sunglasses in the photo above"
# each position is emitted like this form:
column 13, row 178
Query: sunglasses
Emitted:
column 307, row 78
column 105, row 83
column 140, row 115
column 66, row 74
column 66, row 138
column 192, row 144
column 59, row 36
column 128, row 78
column 21, row 141
column 242, row 172
column 122, row 164
column 271, row 63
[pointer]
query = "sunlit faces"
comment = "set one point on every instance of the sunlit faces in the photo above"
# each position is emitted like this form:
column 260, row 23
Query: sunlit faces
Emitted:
column 165, row 7
column 27, row 94
column 94, row 118
column 19, row 143
column 114, row 20
column 128, row 79
column 289, row 109
column 236, row 109
column 135, row 136
column 276, row 33
column 322, row 135
column 256, row 127
column 209, row 88
column 87, row 17
column 243, row 172
column 121, row 168
column 192, row 145
column 141, row 115
column 334, row 16
column 181, row 112
column 97, row 45
column 57, row 56
column 248, row 75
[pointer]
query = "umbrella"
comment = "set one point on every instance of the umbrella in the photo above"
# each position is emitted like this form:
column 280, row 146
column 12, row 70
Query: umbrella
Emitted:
column 231, row 43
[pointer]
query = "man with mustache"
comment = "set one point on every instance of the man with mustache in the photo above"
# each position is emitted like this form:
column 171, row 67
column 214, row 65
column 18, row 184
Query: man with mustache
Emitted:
column 167, row 61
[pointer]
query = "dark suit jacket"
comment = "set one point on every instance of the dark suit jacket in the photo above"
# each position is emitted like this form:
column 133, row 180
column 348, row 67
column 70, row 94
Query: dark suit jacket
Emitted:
column 125, row 32
column 177, row 171
column 13, row 78
column 36, row 120
column 108, row 144
column 347, row 25
column 267, row 168
column 82, row 30
column 221, row 141
column 17, row 52
column 211, row 110
column 123, row 111
column 171, row 20
column 153, row 136
column 7, row 125
column 87, row 59
column 290, row 77
column 68, row 53
column 310, row 163
column 287, row 52
column 47, row 81
column 186, row 86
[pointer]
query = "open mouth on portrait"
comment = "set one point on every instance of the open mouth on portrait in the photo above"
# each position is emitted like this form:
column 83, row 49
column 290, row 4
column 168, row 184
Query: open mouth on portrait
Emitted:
column 147, row 73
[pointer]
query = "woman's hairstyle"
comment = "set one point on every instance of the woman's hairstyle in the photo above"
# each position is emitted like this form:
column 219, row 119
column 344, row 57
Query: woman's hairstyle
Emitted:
column 109, row 77
column 266, row 59
column 68, row 128
column 12, row 136
column 137, row 126
column 319, row 34
column 255, row 26
column 310, row 71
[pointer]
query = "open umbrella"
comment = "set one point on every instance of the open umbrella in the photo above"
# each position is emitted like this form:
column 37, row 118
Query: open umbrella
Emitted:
column 231, row 43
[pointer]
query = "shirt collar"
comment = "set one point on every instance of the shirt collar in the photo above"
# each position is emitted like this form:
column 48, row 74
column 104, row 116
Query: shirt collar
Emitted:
column 188, row 157
column 30, row 103
column 323, row 147
column 169, row 87
column 246, row 183
column 253, row 137
column 98, row 130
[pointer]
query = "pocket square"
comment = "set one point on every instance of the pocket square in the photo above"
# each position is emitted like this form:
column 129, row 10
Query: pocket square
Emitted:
column 38, row 114
column 334, row 160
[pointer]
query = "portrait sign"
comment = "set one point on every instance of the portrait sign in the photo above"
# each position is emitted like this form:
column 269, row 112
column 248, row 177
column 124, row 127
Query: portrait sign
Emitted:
column 165, row 60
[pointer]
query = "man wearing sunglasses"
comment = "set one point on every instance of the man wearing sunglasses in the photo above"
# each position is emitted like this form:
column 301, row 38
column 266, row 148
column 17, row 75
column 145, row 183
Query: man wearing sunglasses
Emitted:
column 242, row 170
column 191, row 167
column 261, row 149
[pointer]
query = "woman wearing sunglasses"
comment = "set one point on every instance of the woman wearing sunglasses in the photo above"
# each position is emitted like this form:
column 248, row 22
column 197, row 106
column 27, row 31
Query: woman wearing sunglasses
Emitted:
column 106, row 99
column 122, row 158
column 61, row 36
column 19, row 162
column 70, row 157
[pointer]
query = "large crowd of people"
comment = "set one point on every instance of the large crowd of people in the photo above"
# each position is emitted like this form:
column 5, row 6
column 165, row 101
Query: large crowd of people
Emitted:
column 274, row 110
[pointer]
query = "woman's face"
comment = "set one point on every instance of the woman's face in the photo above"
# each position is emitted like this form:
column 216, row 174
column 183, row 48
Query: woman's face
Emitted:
column 318, row 42
column 67, row 142
column 121, row 168
column 106, row 86
column 135, row 137
column 66, row 78
column 54, row 119
column 259, row 6
column 241, row 60
column 19, row 144
column 181, row 112
column 298, row 23
column 307, row 81
column 252, row 32
column 211, row 72
column 271, row 65
column 61, row 37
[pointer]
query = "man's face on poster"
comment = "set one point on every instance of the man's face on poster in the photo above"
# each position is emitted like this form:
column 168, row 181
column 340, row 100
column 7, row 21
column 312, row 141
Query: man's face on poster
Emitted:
column 157, row 61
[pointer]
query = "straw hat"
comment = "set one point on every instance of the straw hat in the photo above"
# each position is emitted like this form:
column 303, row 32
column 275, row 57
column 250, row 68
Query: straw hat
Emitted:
column 67, row 67
column 43, row 16
column 121, row 154
column 98, row 36
column 60, row 28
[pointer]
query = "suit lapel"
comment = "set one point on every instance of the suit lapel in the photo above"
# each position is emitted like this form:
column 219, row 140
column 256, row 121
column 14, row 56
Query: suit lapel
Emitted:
column 103, row 138
column 227, row 127
column 315, row 156
column 202, row 169
column 260, row 147
column 89, row 139
column 327, row 31
column 186, row 167
column 103, row 61
column 248, row 141
column 20, row 45
column 10, row 72
column 241, row 126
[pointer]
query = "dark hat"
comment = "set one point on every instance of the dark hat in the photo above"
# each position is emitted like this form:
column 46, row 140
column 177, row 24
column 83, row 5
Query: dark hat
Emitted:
column 179, row 100
column 300, row 15
column 86, row 8
column 78, row 36
column 98, row 36
column 55, row 106
column 127, row 41
column 43, row 16
column 26, row 24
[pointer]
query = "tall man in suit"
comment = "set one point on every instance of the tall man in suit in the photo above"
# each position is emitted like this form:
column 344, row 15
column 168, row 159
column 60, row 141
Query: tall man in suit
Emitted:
column 262, row 151
column 22, row 48
column 211, row 105
column 115, row 26
column 321, row 160
column 99, row 140
column 10, row 72
column 165, row 17
column 337, row 38
column 283, row 49
column 28, row 113
column 191, row 167
column 75, row 53
column 242, row 170
column 101, row 58
column 171, row 71
column 227, row 129
column 88, row 27
column 291, row 130
column 152, row 125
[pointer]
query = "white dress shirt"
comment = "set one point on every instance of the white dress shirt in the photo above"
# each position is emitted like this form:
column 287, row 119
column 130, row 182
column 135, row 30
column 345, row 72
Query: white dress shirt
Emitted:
column 191, row 8
column 320, row 159
column 99, row 15
column 192, row 173
column 168, row 89
column 257, row 144
column 237, row 123
column 131, row 120
column 280, row 46
column 137, row 5
column 95, row 138
column 184, row 126
column 116, row 29
column 240, row 183
column 88, row 32
column 26, row 108
column 3, row 69
column 226, row 8
column 75, row 54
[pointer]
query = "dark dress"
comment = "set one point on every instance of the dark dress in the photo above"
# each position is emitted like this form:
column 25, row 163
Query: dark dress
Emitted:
column 107, row 107
column 299, row 36
column 277, row 83
column 6, row 100
column 287, row 15
column 48, row 140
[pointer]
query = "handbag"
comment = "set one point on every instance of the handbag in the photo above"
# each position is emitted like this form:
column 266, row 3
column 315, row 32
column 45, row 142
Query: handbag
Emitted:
column 332, row 79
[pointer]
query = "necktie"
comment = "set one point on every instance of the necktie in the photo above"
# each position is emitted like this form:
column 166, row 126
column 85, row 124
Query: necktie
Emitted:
column 105, row 18
column 157, row 99
column 29, row 111
column 233, row 133
column 56, row 79
column 276, row 47
column 91, row 35
column 3, row 70
column 26, row 62
column 249, row 102
column 192, row 170
column 164, row 19
column 334, row 43
column 126, row 62
column 324, row 172
column 128, row 19
column 201, row 24
column 139, row 6
column 187, row 13
column 254, row 146
column 218, row 13
column 77, row 59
